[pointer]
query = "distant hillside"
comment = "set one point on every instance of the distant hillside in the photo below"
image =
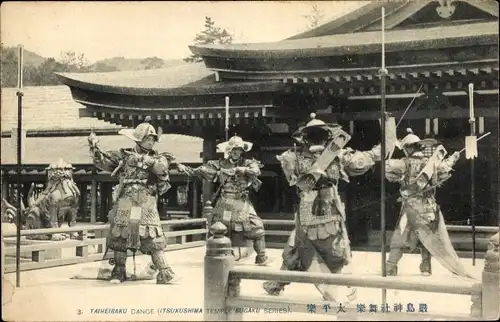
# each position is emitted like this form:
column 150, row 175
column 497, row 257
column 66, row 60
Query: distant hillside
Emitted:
column 39, row 71
column 122, row 63
column 30, row 58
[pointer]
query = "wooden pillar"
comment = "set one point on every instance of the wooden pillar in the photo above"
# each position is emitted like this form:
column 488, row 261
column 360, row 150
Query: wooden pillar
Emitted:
column 492, row 125
column 195, row 201
column 103, row 187
column 83, row 197
column 209, row 153
column 5, row 188
column 218, row 262
column 93, row 201
column 490, row 290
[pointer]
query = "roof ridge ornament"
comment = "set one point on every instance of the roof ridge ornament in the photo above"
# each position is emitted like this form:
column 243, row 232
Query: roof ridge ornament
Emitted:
column 446, row 8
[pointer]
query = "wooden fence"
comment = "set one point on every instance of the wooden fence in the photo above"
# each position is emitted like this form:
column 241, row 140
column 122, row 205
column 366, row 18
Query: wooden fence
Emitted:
column 460, row 237
column 77, row 250
column 223, row 301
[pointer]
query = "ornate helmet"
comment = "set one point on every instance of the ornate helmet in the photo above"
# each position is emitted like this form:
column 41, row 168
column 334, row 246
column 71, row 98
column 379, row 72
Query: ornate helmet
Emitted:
column 314, row 124
column 409, row 139
column 234, row 143
column 141, row 131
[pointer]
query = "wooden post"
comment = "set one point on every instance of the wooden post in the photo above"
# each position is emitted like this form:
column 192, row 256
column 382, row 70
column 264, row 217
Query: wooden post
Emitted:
column 218, row 262
column 491, row 281
column 195, row 199
column 3, row 259
column 208, row 214
column 209, row 153
column 93, row 201
column 5, row 187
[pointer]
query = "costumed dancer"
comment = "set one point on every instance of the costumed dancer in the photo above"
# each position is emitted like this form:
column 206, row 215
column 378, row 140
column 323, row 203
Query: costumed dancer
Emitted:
column 236, row 175
column 320, row 229
column 421, row 219
column 134, row 219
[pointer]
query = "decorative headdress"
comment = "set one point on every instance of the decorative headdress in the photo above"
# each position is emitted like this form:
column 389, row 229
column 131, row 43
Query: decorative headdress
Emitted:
column 411, row 139
column 141, row 131
column 234, row 143
column 314, row 123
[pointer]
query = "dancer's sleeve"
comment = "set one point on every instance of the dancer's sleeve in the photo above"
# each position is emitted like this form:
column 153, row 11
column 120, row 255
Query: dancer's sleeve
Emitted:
column 356, row 163
column 395, row 170
column 107, row 161
column 253, row 168
column 288, row 161
column 446, row 166
column 207, row 171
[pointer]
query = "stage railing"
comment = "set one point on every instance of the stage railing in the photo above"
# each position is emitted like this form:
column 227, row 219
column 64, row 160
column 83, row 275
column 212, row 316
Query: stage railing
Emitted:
column 223, row 301
column 459, row 236
column 88, row 246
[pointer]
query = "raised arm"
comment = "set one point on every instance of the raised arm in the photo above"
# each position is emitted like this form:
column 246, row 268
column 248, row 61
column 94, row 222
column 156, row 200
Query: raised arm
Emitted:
column 395, row 170
column 252, row 168
column 107, row 161
column 446, row 166
column 356, row 163
column 207, row 171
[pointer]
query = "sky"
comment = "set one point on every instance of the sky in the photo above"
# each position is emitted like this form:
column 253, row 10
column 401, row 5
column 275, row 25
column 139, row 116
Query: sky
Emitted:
column 145, row 29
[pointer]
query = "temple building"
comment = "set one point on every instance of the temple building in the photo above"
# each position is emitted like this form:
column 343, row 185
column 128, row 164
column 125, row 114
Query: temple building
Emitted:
column 433, row 50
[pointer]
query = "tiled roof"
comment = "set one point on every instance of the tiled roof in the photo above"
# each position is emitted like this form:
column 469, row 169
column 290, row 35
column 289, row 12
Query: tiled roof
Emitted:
column 363, row 42
column 52, row 108
column 189, row 74
column 45, row 150
column 46, row 107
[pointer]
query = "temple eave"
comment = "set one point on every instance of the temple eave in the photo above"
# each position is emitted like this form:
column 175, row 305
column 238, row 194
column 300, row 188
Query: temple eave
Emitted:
column 206, row 89
column 361, row 43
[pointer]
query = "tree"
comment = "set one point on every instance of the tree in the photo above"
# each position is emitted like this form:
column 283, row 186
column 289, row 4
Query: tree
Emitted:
column 9, row 68
column 315, row 17
column 210, row 35
column 152, row 62
column 74, row 62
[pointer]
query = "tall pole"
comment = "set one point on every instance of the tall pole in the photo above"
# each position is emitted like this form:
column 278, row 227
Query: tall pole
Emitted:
column 19, row 160
column 383, row 74
column 226, row 128
column 472, row 121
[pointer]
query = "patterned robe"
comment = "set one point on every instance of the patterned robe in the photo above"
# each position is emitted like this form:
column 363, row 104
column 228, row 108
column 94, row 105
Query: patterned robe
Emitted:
column 415, row 201
column 134, row 218
column 421, row 218
column 233, row 208
column 321, row 213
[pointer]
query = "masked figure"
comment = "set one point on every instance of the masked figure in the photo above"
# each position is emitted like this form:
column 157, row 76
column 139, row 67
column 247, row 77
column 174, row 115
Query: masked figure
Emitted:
column 316, row 168
column 421, row 222
column 236, row 176
column 143, row 175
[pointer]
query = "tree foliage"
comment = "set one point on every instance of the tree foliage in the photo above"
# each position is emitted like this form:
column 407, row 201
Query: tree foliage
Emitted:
column 43, row 74
column 209, row 36
column 315, row 17
column 152, row 63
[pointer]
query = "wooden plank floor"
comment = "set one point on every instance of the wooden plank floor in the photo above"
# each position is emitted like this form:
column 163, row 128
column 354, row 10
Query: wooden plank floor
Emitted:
column 50, row 294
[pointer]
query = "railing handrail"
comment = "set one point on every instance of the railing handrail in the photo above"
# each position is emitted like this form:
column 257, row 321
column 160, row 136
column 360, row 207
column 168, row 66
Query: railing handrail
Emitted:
column 369, row 281
column 46, row 231
column 455, row 228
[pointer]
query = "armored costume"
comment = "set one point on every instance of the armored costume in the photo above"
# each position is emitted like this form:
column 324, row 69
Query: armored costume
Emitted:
column 316, row 169
column 134, row 219
column 236, row 175
column 421, row 219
